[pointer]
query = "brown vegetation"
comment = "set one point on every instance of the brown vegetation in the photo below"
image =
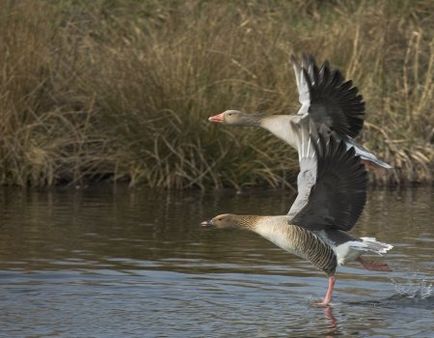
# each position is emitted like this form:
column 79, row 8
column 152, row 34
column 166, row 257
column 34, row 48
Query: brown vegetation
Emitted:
column 123, row 89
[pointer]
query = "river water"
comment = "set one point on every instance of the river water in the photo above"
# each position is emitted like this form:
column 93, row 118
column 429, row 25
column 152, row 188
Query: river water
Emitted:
column 111, row 262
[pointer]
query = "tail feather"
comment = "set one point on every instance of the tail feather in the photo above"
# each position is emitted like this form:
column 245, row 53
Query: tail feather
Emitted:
column 375, row 162
column 370, row 244
column 365, row 154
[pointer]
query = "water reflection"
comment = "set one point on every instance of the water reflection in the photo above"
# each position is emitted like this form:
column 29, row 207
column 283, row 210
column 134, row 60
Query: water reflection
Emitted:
column 140, row 262
column 328, row 313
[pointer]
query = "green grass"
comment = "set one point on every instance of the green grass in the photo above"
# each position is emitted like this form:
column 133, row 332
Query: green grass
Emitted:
column 121, row 90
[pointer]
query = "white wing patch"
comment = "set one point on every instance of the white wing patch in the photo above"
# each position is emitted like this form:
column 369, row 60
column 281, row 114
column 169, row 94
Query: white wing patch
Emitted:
column 303, row 88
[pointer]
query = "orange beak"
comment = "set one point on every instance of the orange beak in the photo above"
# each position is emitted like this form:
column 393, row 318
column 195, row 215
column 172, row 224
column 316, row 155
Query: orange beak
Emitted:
column 219, row 118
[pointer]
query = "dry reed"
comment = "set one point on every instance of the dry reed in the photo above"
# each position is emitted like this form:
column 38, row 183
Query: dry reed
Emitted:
column 121, row 90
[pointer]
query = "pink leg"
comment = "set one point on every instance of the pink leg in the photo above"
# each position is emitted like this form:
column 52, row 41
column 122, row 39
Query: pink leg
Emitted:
column 374, row 266
column 329, row 293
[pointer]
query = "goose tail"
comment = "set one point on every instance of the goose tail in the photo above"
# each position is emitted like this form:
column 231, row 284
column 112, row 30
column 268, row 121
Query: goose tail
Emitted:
column 366, row 155
column 370, row 244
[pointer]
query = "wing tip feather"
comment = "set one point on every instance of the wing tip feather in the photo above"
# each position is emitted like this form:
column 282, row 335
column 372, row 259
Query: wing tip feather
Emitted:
column 326, row 80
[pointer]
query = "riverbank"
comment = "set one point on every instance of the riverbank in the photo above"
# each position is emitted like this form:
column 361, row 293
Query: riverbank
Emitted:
column 122, row 90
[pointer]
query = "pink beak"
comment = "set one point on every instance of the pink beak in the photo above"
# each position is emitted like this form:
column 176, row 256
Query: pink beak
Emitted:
column 206, row 223
column 219, row 118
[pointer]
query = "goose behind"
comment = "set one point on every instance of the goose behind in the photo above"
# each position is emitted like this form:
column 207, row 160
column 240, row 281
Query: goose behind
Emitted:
column 333, row 104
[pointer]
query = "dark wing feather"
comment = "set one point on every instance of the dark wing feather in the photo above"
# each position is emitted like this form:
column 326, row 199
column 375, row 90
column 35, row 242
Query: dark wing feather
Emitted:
column 331, row 193
column 331, row 101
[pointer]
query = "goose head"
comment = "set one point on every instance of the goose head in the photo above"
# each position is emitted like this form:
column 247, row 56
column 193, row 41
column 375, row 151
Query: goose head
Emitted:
column 237, row 118
column 225, row 221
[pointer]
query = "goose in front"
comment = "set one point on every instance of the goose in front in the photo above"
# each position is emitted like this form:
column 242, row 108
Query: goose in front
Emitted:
column 333, row 104
column 332, row 187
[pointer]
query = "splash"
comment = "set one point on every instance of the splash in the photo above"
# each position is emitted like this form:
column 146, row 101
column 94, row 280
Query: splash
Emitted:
column 417, row 289
column 413, row 292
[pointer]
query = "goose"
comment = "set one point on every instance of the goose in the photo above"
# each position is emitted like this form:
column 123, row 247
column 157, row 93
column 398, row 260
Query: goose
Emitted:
column 332, row 185
column 332, row 103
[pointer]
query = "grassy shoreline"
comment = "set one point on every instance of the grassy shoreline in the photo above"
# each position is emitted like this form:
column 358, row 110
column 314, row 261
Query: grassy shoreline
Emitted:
column 121, row 90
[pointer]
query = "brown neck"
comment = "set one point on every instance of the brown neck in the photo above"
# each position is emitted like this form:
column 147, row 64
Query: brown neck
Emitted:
column 247, row 222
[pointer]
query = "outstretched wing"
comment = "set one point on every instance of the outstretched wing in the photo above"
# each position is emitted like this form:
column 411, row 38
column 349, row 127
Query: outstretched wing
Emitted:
column 332, row 182
column 332, row 102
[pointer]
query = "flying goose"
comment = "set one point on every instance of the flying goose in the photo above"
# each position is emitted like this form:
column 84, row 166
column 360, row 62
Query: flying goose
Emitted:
column 332, row 187
column 332, row 103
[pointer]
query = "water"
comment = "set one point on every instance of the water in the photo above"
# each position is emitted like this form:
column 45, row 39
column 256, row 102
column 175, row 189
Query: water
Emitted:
column 104, row 263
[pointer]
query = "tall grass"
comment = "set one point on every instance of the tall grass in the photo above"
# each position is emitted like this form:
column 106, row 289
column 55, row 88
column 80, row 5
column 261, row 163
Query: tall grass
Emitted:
column 122, row 90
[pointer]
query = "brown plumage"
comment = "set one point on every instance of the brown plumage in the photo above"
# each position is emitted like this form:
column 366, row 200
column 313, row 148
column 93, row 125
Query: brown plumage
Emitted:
column 290, row 237
column 315, row 250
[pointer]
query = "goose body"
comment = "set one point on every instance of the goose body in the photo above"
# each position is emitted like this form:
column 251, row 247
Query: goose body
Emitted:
column 333, row 105
column 297, row 241
column 280, row 126
column 332, row 186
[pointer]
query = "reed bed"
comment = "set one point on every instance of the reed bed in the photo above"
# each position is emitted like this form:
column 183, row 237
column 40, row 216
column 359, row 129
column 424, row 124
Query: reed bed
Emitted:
column 121, row 90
